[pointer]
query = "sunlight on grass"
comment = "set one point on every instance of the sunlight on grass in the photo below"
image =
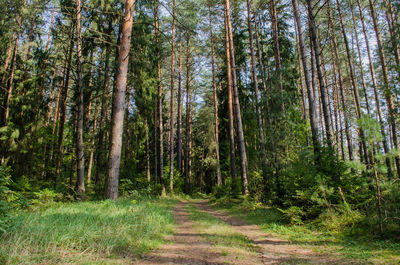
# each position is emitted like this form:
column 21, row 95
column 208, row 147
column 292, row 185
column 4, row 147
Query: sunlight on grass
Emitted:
column 87, row 231
column 218, row 232
column 361, row 250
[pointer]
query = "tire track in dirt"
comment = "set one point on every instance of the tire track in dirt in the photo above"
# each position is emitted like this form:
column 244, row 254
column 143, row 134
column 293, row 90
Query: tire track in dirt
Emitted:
column 272, row 250
column 188, row 247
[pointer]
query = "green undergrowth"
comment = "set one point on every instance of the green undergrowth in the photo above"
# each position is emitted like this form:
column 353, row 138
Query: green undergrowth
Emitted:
column 218, row 232
column 323, row 237
column 93, row 232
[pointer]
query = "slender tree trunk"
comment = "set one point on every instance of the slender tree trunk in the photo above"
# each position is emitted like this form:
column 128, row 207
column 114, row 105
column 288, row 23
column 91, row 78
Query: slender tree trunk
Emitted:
column 230, row 103
column 354, row 84
column 80, row 152
column 111, row 189
column 388, row 93
column 91, row 155
column 7, row 61
column 375, row 86
column 215, row 97
column 10, row 83
column 254, row 81
column 323, row 91
column 100, row 157
column 171, row 117
column 311, row 102
column 188, row 162
column 179, row 119
column 50, row 29
column 146, row 127
column 262, row 70
column 155, row 139
column 240, row 134
column 277, row 53
column 160, row 102
column 337, row 69
column 63, row 110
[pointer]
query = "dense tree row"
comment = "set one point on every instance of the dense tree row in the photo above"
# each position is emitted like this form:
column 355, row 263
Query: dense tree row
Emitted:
column 292, row 103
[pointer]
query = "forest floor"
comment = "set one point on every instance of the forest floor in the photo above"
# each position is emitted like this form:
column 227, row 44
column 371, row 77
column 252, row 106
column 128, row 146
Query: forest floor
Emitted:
column 177, row 230
column 204, row 235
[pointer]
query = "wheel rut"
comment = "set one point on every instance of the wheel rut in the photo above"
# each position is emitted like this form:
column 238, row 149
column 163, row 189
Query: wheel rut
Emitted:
column 188, row 245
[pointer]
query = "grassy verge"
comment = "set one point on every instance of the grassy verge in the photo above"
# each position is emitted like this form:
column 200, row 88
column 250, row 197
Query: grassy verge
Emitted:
column 271, row 221
column 103, row 232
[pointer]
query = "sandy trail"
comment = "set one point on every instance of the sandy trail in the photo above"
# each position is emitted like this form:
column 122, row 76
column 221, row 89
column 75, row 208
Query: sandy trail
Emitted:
column 189, row 246
column 272, row 250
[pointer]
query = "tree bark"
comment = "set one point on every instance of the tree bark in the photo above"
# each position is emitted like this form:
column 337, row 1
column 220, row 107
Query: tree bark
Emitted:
column 311, row 102
column 171, row 116
column 375, row 87
column 112, row 181
column 63, row 110
column 232, row 158
column 254, row 81
column 160, row 102
column 323, row 91
column 80, row 152
column 354, row 84
column 388, row 92
column 179, row 114
column 215, row 98
column 188, row 162
column 277, row 52
column 239, row 126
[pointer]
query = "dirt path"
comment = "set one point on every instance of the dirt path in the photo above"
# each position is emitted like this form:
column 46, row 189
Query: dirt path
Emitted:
column 272, row 250
column 188, row 245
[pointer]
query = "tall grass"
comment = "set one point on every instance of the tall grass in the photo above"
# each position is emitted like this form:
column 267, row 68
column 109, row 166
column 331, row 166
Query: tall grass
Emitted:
column 87, row 232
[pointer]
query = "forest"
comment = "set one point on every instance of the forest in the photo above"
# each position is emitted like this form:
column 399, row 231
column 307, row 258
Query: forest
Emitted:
column 125, row 123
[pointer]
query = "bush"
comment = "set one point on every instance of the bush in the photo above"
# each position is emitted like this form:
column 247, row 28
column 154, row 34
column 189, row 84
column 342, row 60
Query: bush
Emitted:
column 339, row 219
column 293, row 214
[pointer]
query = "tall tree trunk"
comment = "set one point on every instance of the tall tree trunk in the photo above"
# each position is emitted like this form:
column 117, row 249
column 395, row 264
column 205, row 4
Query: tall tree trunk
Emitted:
column 111, row 188
column 337, row 69
column 375, row 86
column 232, row 159
column 323, row 91
column 215, row 98
column 7, row 61
column 91, row 155
column 188, row 156
column 179, row 114
column 239, row 126
column 50, row 29
column 359, row 55
column 254, row 81
column 277, row 52
column 100, row 156
column 171, row 116
column 388, row 92
column 80, row 152
column 10, row 83
column 63, row 110
column 160, row 102
column 311, row 102
column 354, row 84
column 155, row 139
column 146, row 127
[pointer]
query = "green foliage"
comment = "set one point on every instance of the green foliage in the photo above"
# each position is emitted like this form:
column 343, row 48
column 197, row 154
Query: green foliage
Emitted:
column 294, row 214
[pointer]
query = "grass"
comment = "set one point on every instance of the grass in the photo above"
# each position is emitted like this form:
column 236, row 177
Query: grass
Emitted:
column 102, row 232
column 361, row 250
column 218, row 232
